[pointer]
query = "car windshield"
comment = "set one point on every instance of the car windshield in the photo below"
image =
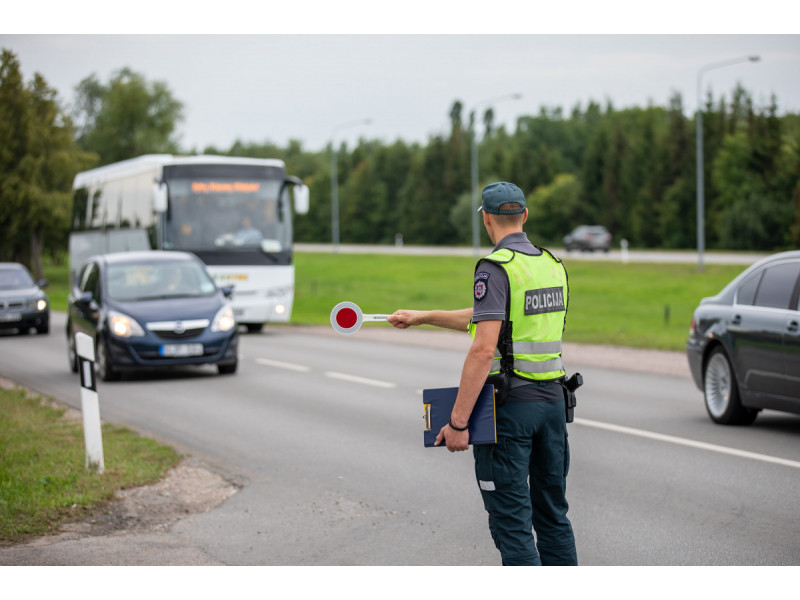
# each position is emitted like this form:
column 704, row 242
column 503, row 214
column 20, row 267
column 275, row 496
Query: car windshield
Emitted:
column 15, row 278
column 149, row 281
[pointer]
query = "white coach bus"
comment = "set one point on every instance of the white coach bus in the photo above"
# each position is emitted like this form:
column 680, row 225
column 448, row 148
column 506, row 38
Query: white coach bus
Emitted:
column 234, row 213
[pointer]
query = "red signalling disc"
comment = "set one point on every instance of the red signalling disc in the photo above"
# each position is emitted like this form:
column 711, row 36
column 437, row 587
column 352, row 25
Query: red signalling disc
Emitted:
column 346, row 317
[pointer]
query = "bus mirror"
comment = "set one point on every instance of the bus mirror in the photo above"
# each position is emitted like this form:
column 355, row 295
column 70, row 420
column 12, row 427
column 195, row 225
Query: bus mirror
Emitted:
column 301, row 199
column 160, row 197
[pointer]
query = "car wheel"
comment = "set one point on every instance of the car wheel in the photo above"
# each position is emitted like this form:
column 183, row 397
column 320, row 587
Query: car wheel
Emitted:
column 105, row 370
column 722, row 394
column 254, row 327
column 72, row 351
column 44, row 328
column 228, row 369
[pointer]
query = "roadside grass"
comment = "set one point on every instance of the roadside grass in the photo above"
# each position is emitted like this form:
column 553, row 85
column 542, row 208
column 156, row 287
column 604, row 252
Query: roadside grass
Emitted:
column 638, row 305
column 43, row 478
column 643, row 305
column 57, row 289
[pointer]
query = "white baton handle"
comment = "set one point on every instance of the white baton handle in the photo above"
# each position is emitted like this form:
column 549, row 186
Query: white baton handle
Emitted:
column 374, row 317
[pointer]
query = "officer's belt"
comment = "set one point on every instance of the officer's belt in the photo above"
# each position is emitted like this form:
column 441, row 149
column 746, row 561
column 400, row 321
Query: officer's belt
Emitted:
column 515, row 382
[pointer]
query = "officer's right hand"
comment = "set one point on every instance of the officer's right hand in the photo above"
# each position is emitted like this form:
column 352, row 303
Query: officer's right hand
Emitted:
column 403, row 319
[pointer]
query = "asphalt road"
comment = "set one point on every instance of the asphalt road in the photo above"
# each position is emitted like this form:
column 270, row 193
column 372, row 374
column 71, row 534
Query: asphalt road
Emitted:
column 325, row 433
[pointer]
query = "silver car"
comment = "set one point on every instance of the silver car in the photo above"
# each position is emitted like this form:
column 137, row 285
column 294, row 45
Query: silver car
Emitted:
column 23, row 304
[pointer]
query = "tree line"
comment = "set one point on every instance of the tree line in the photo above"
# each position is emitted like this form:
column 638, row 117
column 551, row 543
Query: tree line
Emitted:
column 632, row 170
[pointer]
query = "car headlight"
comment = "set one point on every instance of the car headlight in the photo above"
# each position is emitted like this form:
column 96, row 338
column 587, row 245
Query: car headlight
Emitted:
column 224, row 319
column 123, row 325
column 37, row 304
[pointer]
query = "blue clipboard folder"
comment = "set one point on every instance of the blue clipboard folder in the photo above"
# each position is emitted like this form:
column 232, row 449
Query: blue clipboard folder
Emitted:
column 438, row 404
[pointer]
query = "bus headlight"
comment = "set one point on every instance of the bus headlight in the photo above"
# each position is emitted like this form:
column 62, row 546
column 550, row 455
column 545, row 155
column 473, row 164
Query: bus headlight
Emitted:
column 224, row 319
column 123, row 325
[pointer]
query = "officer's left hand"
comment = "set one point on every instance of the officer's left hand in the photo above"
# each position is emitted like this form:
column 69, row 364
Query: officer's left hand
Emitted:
column 456, row 441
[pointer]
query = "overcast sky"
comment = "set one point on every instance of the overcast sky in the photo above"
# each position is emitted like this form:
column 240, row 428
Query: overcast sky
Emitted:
column 268, row 86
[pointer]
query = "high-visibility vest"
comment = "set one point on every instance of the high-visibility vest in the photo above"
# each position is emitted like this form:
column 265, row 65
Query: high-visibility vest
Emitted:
column 536, row 313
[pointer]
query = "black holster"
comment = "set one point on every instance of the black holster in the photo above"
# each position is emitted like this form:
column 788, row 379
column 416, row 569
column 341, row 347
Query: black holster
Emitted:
column 500, row 383
column 570, row 401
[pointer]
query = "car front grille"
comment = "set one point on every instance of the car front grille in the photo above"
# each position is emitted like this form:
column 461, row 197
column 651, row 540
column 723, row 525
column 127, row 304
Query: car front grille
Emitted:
column 12, row 304
column 178, row 330
column 185, row 335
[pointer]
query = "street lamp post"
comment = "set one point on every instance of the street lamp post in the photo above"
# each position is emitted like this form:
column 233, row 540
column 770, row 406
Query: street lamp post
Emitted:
column 335, row 180
column 701, row 228
column 476, row 232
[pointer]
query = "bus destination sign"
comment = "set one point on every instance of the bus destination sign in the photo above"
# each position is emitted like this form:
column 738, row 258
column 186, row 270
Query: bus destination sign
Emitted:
column 216, row 187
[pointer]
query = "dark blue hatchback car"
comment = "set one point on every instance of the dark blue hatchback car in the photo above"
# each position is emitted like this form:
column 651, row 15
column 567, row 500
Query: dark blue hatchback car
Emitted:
column 149, row 310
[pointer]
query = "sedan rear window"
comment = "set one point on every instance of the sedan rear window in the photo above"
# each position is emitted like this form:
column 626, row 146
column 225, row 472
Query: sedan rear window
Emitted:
column 746, row 294
column 777, row 285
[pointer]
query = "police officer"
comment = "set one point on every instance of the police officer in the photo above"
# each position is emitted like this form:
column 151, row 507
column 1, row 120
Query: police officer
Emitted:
column 517, row 321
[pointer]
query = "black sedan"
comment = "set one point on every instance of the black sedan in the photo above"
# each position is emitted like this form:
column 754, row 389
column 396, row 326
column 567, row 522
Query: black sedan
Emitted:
column 151, row 309
column 744, row 344
column 23, row 304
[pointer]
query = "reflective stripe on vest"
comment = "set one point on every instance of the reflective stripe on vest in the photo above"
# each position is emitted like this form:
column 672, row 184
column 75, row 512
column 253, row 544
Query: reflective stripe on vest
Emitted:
column 536, row 344
column 538, row 366
column 531, row 348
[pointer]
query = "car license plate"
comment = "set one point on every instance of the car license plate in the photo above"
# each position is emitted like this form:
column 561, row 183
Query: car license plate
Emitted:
column 10, row 316
column 181, row 350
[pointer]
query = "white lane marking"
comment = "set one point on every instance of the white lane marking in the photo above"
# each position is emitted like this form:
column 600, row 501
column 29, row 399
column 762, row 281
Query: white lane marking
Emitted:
column 690, row 443
column 363, row 380
column 283, row 365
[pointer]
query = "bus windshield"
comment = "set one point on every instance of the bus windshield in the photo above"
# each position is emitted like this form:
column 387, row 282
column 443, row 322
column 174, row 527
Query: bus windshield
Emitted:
column 223, row 213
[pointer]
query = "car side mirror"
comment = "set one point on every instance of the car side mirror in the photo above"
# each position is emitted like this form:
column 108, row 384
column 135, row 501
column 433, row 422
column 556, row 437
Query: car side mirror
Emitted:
column 85, row 299
column 43, row 283
column 227, row 291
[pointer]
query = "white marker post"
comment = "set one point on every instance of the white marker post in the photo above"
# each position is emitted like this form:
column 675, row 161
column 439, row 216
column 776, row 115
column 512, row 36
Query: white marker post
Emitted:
column 346, row 317
column 90, row 404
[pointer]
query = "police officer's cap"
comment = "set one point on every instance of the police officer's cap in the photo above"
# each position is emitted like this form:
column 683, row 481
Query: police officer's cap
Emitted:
column 501, row 192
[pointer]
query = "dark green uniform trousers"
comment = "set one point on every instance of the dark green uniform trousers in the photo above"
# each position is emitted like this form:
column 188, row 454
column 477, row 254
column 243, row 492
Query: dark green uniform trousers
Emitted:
column 531, row 447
